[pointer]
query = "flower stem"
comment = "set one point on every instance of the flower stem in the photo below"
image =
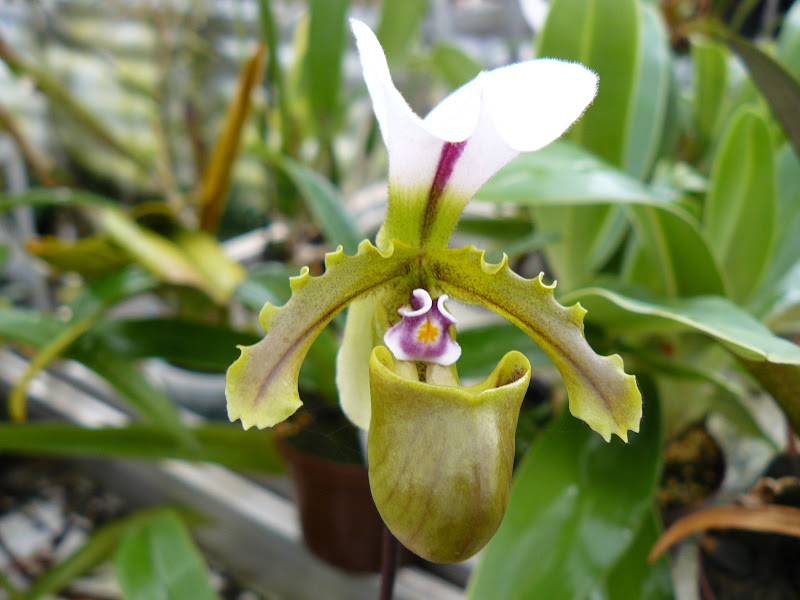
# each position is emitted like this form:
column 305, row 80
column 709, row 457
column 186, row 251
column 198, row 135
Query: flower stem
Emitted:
column 388, row 565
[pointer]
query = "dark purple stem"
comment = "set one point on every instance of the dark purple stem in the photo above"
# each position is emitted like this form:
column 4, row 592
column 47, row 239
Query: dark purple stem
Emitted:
column 388, row 565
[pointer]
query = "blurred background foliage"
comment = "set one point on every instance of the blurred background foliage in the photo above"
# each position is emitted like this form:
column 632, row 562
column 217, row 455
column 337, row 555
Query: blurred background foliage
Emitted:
column 167, row 166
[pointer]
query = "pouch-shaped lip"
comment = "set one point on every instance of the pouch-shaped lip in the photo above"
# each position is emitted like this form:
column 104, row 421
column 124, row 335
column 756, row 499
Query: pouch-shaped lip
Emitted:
column 440, row 458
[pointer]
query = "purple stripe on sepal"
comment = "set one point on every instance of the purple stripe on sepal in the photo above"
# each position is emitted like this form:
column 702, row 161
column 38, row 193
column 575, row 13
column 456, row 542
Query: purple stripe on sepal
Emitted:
column 451, row 151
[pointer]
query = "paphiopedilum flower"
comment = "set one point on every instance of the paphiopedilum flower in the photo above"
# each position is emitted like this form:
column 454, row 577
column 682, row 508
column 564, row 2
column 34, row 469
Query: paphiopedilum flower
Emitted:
column 440, row 455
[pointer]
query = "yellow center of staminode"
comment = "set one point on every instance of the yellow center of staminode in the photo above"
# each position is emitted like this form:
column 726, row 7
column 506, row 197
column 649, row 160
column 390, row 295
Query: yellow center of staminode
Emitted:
column 428, row 332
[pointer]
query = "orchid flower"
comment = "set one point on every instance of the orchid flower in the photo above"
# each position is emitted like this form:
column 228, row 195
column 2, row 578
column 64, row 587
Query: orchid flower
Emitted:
column 439, row 455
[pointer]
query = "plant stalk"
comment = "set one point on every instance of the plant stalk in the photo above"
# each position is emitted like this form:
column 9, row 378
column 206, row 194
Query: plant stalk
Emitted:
column 388, row 564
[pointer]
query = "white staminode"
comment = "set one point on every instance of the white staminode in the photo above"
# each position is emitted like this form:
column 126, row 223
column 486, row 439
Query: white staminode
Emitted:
column 518, row 108
column 424, row 297
column 440, row 305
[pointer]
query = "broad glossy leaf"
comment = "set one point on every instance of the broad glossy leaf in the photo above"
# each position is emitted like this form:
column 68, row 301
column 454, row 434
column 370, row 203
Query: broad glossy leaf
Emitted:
column 399, row 22
column 715, row 316
column 220, row 443
column 157, row 560
column 651, row 93
column 780, row 289
column 603, row 35
column 741, row 207
column 576, row 506
column 709, row 60
column 634, row 577
column 675, row 258
column 564, row 173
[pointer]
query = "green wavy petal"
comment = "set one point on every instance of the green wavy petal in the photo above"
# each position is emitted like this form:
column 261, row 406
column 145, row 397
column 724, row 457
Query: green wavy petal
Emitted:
column 600, row 392
column 261, row 386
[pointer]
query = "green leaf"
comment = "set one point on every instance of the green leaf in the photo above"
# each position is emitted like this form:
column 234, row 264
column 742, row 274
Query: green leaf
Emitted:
column 787, row 163
column 741, row 207
column 633, row 576
column 715, row 316
column 675, row 258
column 604, row 36
column 709, row 60
column 126, row 377
column 779, row 294
column 198, row 346
column 326, row 41
column 157, row 254
column 157, row 560
column 788, row 42
column 564, row 173
column 92, row 256
column 780, row 86
column 220, row 443
column 483, row 347
column 783, row 383
column 98, row 548
column 86, row 311
column 600, row 392
column 399, row 21
column 222, row 273
column 324, row 202
column 37, row 330
column 454, row 65
column 576, row 506
column 268, row 282
column 647, row 119
column 45, row 197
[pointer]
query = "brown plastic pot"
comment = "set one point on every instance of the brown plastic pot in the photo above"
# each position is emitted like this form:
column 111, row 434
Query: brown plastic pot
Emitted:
column 338, row 516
